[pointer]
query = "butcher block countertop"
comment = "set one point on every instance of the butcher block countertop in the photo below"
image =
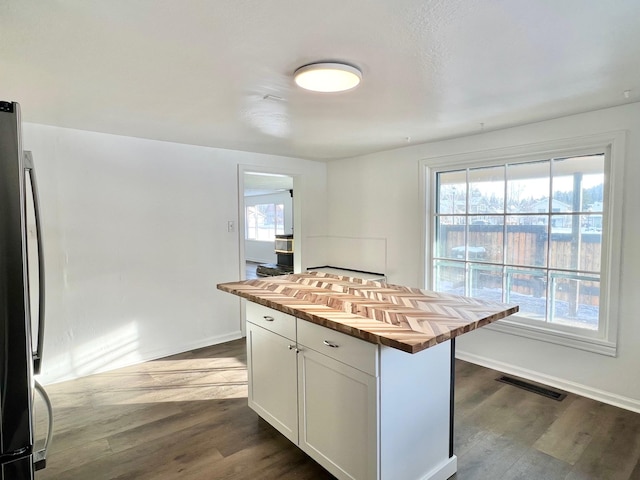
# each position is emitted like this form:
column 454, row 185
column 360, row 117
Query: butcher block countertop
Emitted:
column 408, row 319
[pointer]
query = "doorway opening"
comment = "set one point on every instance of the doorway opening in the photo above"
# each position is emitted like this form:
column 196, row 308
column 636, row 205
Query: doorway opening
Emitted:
column 267, row 217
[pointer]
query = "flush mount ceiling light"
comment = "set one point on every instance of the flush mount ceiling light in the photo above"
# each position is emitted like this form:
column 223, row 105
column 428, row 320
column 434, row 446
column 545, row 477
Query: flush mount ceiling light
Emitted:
column 327, row 77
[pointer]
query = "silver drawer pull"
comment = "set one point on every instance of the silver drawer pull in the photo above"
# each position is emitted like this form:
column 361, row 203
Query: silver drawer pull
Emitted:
column 330, row 344
column 291, row 347
column 268, row 318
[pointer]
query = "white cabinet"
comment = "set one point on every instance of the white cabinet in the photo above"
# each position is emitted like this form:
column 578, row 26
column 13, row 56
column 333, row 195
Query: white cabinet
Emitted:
column 272, row 367
column 338, row 401
column 361, row 410
column 338, row 409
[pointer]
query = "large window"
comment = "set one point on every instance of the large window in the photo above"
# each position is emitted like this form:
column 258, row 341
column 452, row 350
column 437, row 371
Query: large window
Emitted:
column 264, row 221
column 534, row 230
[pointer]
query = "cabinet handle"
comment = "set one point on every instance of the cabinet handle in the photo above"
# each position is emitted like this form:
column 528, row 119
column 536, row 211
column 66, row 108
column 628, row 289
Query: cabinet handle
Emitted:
column 291, row 347
column 330, row 344
column 268, row 318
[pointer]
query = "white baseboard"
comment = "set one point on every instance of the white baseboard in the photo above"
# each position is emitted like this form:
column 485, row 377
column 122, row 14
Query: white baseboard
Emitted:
column 167, row 352
column 443, row 471
column 584, row 390
column 146, row 356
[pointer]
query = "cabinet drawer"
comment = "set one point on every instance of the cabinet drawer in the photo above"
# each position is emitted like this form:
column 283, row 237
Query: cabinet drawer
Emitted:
column 339, row 346
column 273, row 320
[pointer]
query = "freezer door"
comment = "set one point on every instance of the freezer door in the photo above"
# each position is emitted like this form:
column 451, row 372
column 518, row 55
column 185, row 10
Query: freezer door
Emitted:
column 18, row 469
column 16, row 380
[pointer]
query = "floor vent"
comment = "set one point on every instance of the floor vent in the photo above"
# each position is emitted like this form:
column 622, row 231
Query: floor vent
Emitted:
column 530, row 387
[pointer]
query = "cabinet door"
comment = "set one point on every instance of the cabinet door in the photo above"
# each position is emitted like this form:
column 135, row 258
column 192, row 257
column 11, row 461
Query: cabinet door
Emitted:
column 272, row 368
column 338, row 412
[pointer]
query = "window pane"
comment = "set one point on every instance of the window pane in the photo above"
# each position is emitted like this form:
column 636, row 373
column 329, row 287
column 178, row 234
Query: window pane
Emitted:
column 563, row 223
column 573, row 246
column 450, row 237
column 265, row 222
column 527, row 244
column 578, row 184
column 593, row 223
column 250, row 220
column 485, row 281
column 265, row 219
column 528, row 289
column 449, row 277
column 590, row 251
column 452, row 192
column 486, row 190
column 485, row 239
column 575, row 300
column 279, row 219
column 525, row 233
column 528, row 187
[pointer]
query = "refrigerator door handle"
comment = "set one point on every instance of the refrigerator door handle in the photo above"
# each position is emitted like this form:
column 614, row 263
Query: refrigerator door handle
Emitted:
column 37, row 355
column 40, row 456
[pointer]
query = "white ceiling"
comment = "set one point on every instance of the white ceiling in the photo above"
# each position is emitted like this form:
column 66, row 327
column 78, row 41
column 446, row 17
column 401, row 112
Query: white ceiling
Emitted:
column 219, row 72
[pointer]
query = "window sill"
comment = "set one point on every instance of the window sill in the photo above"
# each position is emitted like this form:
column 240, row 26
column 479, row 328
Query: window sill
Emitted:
column 566, row 339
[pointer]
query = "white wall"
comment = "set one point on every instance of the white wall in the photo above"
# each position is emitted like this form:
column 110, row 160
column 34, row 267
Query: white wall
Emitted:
column 261, row 251
column 136, row 240
column 379, row 196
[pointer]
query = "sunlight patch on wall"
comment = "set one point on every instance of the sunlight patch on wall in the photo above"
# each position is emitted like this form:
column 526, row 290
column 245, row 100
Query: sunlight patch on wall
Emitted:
column 118, row 347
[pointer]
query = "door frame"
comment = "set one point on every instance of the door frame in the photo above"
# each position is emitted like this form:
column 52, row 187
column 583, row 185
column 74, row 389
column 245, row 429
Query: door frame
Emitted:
column 297, row 221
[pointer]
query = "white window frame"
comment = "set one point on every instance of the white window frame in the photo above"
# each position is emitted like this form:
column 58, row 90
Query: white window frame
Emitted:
column 246, row 221
column 603, row 341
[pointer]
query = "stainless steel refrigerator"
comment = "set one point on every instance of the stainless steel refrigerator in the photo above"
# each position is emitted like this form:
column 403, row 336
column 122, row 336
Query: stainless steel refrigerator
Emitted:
column 21, row 303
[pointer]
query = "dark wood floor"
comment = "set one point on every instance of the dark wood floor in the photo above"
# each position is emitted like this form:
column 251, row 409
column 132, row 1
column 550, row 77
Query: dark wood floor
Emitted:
column 186, row 417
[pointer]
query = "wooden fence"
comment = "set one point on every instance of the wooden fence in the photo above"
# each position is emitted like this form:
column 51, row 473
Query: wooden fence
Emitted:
column 527, row 246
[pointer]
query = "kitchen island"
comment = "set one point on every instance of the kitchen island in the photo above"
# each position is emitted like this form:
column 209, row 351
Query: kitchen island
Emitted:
column 359, row 374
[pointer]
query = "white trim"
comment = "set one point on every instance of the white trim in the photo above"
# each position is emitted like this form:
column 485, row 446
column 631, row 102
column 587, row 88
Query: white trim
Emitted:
column 443, row 471
column 557, row 337
column 205, row 342
column 528, row 152
column 614, row 145
column 157, row 354
column 627, row 403
column 612, row 243
column 426, row 257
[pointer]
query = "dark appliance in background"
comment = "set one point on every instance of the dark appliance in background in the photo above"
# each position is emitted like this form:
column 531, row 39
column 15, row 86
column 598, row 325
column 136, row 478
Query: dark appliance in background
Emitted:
column 284, row 250
column 21, row 336
column 284, row 254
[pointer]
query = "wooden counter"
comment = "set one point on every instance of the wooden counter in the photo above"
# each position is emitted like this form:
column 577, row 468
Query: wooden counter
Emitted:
column 327, row 369
column 408, row 319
